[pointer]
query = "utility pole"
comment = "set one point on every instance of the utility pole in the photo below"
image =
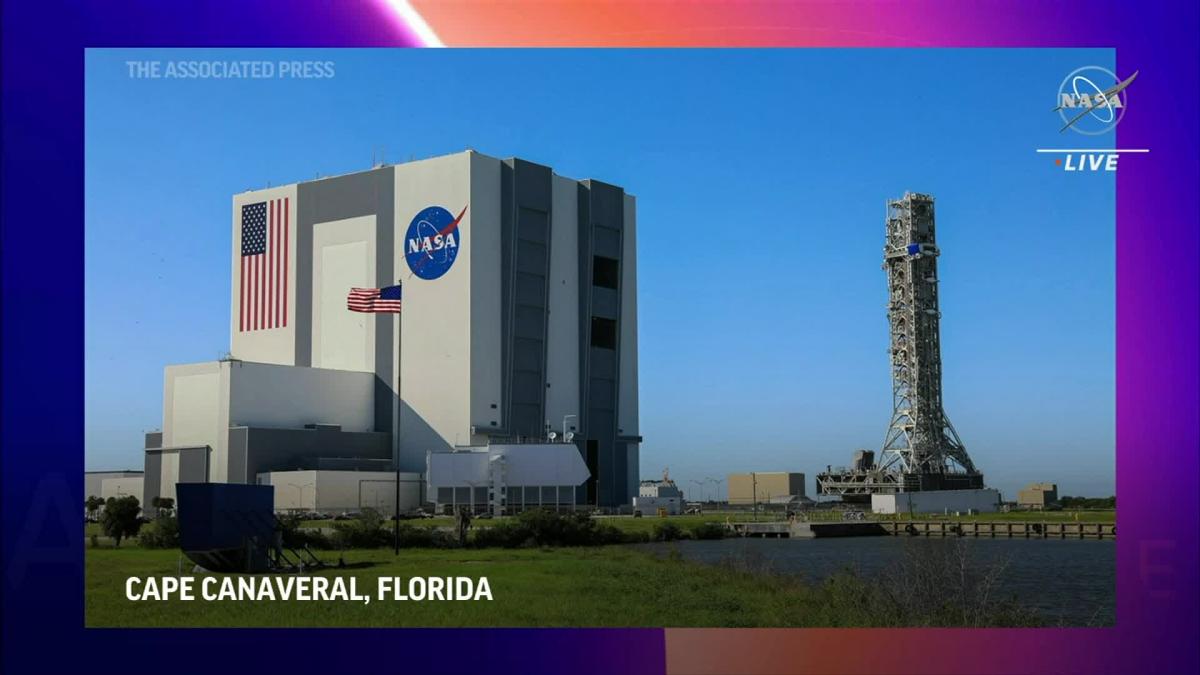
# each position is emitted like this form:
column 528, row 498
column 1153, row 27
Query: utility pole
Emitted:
column 754, row 492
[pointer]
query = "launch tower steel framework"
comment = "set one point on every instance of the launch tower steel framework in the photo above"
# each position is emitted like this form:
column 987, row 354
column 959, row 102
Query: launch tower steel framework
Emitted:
column 921, row 450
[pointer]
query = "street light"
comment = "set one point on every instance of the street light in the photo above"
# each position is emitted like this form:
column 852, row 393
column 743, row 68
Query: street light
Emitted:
column 716, row 488
column 565, row 418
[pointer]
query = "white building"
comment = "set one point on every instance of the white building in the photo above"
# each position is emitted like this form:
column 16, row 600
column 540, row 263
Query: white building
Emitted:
column 647, row 505
column 985, row 500
column 93, row 481
column 335, row 492
column 659, row 489
column 124, row 486
column 519, row 317
column 507, row 478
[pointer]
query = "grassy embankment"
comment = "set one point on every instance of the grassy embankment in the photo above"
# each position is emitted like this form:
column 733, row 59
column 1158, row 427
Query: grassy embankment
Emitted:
column 567, row 586
column 646, row 524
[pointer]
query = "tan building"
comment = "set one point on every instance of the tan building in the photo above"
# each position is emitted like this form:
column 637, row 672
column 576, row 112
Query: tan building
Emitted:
column 765, row 487
column 1037, row 496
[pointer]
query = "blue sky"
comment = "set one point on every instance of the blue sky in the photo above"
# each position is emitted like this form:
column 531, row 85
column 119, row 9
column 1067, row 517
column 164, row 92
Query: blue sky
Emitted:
column 761, row 177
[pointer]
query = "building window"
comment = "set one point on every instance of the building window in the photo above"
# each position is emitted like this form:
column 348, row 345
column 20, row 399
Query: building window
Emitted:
column 604, row 272
column 604, row 333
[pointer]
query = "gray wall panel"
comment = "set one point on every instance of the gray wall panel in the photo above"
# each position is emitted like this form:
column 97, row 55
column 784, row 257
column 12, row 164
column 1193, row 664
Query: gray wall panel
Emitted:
column 193, row 465
column 237, row 455
column 291, row 449
column 525, row 273
column 367, row 193
column 601, row 225
column 151, row 478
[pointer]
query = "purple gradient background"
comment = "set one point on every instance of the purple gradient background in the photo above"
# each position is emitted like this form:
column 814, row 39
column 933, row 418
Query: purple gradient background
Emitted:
column 41, row 439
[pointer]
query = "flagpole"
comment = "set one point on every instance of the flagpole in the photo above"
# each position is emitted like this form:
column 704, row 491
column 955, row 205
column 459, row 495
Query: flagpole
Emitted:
column 396, row 431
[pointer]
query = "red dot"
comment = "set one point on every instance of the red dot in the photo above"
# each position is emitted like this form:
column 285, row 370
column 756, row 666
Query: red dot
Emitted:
column 1058, row 162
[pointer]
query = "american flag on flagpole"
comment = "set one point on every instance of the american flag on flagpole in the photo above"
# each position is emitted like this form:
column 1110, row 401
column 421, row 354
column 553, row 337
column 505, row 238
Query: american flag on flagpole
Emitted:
column 264, row 280
column 384, row 300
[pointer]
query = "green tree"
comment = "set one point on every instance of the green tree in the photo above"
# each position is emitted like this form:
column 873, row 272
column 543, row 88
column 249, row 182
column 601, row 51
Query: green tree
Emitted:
column 163, row 503
column 93, row 505
column 120, row 519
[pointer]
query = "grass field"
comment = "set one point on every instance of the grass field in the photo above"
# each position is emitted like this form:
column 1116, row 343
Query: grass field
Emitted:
column 686, row 522
column 607, row 586
column 601, row 586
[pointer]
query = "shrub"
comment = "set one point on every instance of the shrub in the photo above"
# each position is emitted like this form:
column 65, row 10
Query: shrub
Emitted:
column 364, row 531
column 309, row 538
column 93, row 505
column 708, row 530
column 929, row 584
column 416, row 536
column 543, row 527
column 164, row 533
column 370, row 530
column 667, row 531
column 298, row 537
column 611, row 534
column 505, row 534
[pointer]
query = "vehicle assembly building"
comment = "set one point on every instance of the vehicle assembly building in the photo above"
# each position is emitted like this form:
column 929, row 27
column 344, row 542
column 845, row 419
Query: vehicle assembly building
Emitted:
column 519, row 325
column 921, row 451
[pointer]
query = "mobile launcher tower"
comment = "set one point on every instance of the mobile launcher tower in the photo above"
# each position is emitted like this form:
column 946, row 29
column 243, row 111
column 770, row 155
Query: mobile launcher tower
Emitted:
column 921, row 451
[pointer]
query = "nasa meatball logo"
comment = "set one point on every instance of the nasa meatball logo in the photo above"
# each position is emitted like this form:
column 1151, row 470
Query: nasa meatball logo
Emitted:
column 1092, row 100
column 432, row 243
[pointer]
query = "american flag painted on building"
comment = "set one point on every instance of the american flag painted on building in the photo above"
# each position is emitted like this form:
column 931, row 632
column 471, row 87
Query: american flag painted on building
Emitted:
column 384, row 300
column 264, row 280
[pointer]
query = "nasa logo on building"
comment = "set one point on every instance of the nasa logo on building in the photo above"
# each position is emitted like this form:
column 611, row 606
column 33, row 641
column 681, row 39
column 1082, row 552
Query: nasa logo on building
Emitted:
column 432, row 242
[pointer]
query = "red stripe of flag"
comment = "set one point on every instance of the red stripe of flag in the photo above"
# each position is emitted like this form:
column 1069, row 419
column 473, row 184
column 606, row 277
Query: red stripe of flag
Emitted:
column 270, row 320
column 278, row 265
column 274, row 253
column 253, row 302
column 275, row 270
column 242, row 297
column 249, row 294
column 286, row 256
column 267, row 266
column 258, row 291
column 264, row 291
